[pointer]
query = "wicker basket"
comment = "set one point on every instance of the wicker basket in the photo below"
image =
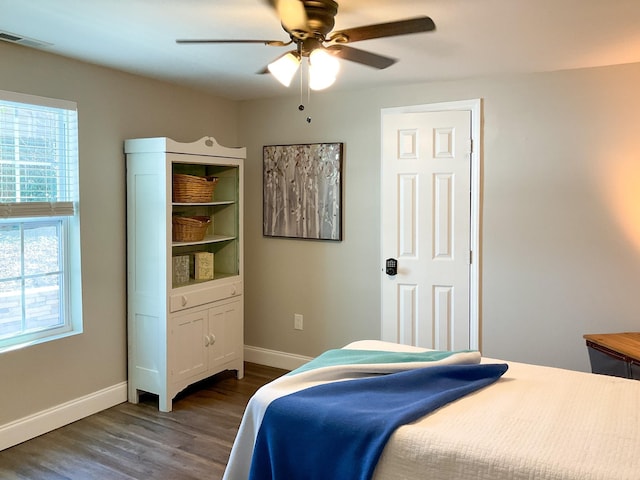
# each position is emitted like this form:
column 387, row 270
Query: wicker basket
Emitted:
column 189, row 229
column 193, row 189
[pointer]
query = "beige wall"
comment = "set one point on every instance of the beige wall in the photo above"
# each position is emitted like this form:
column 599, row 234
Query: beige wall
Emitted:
column 560, row 215
column 112, row 106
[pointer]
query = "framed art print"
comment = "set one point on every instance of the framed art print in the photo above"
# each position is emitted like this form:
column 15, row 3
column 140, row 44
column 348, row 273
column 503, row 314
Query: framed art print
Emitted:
column 302, row 191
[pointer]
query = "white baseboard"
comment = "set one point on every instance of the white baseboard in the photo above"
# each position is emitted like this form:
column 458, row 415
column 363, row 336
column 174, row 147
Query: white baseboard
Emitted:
column 274, row 358
column 47, row 420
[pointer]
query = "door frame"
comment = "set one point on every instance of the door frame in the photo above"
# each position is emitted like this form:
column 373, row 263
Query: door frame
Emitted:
column 475, row 107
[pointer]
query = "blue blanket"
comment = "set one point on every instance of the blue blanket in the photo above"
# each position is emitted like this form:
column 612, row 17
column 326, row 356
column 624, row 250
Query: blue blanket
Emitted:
column 338, row 430
column 333, row 366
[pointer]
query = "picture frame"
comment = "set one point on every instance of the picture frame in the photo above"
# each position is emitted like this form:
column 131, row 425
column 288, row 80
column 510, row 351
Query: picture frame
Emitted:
column 302, row 191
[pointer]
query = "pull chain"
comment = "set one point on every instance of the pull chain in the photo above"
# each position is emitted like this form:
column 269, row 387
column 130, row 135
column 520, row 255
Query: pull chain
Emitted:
column 301, row 106
column 308, row 98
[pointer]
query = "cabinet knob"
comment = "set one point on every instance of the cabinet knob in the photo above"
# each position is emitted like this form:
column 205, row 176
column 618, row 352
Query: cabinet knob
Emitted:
column 213, row 339
column 184, row 300
column 233, row 290
column 206, row 340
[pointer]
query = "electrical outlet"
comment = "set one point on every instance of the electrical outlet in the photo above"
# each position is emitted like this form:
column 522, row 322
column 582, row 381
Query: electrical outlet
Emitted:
column 297, row 321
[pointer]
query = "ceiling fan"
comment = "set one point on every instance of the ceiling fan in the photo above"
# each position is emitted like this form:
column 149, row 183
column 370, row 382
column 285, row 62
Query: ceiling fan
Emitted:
column 309, row 24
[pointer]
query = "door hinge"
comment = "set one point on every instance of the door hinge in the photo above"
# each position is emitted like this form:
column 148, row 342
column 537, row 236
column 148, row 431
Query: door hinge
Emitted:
column 470, row 257
column 471, row 145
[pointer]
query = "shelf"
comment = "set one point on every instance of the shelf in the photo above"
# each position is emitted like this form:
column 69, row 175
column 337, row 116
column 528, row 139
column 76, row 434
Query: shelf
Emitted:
column 205, row 240
column 216, row 276
column 207, row 204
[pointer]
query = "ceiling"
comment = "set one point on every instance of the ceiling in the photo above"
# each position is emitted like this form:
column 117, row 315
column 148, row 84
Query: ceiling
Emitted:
column 472, row 38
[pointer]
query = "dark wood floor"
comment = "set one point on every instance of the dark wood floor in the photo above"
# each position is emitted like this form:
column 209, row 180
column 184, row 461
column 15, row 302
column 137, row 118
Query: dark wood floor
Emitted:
column 139, row 442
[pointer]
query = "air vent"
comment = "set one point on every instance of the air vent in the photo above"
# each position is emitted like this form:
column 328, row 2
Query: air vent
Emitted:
column 26, row 41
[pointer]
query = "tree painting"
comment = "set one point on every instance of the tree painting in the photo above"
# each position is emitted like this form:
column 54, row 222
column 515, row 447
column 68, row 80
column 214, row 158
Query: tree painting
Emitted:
column 302, row 191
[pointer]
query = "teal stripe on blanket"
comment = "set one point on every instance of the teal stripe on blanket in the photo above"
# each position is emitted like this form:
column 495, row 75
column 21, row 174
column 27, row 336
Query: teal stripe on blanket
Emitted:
column 343, row 356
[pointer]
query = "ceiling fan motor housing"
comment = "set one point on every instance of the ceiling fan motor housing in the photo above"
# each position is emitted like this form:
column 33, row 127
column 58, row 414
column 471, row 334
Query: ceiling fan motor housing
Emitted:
column 320, row 16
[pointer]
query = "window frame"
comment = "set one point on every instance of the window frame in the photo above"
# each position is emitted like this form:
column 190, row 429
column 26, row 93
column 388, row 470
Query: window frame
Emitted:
column 65, row 216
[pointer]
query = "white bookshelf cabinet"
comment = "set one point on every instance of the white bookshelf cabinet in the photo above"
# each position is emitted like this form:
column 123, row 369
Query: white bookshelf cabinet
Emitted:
column 179, row 334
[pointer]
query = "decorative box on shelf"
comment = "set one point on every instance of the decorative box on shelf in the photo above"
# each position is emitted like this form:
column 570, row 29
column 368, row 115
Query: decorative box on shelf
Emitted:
column 180, row 270
column 203, row 265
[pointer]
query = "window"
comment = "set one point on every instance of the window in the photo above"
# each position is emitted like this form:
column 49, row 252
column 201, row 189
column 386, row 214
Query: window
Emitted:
column 40, row 286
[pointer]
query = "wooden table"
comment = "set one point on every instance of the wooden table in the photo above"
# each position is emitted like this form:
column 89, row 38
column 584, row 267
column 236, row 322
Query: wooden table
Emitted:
column 616, row 354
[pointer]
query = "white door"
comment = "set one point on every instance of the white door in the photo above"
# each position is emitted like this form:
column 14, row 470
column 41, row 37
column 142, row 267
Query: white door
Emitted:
column 426, row 227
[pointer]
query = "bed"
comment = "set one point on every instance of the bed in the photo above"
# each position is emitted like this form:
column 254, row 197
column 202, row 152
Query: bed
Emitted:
column 532, row 422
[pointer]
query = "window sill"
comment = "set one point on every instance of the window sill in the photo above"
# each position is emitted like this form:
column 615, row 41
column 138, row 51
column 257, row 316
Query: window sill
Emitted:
column 36, row 341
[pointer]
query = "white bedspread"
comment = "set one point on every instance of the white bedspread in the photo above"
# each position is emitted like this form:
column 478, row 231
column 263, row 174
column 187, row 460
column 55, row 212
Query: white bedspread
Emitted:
column 534, row 423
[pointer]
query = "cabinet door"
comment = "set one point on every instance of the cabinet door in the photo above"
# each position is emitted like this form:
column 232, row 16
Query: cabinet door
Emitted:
column 187, row 345
column 225, row 333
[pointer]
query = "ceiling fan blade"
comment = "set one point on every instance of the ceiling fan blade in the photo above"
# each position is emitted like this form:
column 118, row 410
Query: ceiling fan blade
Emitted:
column 271, row 43
column 292, row 14
column 390, row 29
column 360, row 56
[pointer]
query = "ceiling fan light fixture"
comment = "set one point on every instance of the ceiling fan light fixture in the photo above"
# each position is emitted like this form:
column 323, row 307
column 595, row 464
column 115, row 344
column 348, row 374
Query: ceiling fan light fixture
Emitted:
column 323, row 69
column 324, row 60
column 285, row 67
column 319, row 79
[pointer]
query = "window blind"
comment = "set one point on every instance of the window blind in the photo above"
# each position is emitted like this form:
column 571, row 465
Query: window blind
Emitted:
column 38, row 156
